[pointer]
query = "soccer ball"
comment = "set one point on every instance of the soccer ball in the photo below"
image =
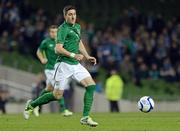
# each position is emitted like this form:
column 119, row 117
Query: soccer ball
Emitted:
column 146, row 104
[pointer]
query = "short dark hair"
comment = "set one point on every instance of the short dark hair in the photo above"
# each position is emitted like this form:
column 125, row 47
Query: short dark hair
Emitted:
column 52, row 27
column 67, row 8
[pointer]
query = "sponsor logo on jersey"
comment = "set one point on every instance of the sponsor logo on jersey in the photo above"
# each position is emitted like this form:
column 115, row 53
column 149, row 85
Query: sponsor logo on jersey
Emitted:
column 51, row 45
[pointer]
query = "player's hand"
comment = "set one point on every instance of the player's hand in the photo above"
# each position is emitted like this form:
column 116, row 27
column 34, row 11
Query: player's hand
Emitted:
column 92, row 60
column 79, row 57
column 44, row 61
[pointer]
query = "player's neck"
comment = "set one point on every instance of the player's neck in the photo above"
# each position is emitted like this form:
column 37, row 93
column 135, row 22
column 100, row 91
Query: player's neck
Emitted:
column 69, row 24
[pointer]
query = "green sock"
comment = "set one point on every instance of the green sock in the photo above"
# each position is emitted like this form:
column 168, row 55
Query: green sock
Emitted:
column 44, row 99
column 43, row 92
column 62, row 104
column 88, row 99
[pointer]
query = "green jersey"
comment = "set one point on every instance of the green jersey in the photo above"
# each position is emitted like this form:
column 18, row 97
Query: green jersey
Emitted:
column 47, row 47
column 69, row 36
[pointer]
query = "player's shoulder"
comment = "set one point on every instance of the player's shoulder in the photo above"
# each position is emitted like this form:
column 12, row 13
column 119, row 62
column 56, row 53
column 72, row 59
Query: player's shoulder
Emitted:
column 62, row 27
column 45, row 40
column 77, row 25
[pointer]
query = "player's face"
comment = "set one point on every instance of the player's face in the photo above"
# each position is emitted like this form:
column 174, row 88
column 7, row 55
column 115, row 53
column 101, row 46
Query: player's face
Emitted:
column 70, row 17
column 53, row 33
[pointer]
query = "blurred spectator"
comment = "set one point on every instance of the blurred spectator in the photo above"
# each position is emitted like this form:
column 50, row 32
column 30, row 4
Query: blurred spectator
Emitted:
column 127, row 68
column 141, row 73
column 3, row 100
column 167, row 71
column 174, row 53
column 5, row 41
column 178, row 73
column 104, row 55
column 154, row 73
column 114, row 90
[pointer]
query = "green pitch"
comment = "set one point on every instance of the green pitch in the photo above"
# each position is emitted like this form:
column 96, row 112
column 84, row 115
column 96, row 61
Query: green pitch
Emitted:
column 107, row 121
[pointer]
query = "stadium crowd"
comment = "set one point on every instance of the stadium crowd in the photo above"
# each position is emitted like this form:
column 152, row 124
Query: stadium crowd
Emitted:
column 139, row 46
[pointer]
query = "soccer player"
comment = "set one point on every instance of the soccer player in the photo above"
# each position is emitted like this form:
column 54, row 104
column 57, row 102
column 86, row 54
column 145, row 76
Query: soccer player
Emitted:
column 48, row 57
column 71, row 50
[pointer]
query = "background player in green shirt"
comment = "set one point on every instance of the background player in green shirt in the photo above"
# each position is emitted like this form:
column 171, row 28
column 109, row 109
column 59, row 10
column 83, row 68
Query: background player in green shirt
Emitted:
column 71, row 50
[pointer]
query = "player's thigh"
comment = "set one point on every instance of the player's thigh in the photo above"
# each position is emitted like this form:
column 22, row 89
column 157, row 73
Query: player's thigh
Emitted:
column 62, row 71
column 83, row 76
column 61, row 84
column 62, row 74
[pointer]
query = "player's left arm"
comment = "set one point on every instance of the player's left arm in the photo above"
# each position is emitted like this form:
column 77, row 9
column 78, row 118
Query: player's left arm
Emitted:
column 83, row 51
column 41, row 52
column 41, row 56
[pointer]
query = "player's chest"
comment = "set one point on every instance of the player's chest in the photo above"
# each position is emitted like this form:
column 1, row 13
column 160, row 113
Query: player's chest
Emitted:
column 50, row 46
column 74, row 34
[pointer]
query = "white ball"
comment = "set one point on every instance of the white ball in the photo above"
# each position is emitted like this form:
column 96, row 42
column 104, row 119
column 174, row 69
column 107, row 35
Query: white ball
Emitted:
column 146, row 104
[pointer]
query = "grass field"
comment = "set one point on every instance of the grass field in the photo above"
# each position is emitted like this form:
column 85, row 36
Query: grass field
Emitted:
column 122, row 121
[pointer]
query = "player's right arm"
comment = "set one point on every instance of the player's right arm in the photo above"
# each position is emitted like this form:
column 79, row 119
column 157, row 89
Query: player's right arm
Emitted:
column 61, row 35
column 41, row 56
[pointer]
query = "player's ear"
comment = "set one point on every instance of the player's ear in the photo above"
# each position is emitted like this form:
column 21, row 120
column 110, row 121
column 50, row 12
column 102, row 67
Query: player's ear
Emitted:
column 65, row 15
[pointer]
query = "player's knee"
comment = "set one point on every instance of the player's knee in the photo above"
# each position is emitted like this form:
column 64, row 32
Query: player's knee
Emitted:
column 58, row 97
column 92, row 82
column 58, row 94
column 88, row 81
column 49, row 88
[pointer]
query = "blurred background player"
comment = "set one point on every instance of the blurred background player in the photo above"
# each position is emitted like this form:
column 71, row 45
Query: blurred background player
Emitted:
column 47, row 56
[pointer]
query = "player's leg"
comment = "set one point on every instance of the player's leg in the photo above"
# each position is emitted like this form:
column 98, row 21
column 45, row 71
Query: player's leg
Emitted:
column 90, row 86
column 83, row 76
column 51, row 81
column 61, row 85
column 41, row 100
column 61, row 103
column 44, row 99
column 48, row 88
column 63, row 109
column 61, row 76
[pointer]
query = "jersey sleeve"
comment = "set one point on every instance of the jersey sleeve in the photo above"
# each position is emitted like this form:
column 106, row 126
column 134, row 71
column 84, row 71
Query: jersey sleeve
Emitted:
column 61, row 35
column 42, row 45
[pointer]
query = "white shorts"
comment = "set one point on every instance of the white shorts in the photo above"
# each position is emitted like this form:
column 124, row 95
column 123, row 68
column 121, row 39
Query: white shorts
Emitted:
column 49, row 77
column 64, row 71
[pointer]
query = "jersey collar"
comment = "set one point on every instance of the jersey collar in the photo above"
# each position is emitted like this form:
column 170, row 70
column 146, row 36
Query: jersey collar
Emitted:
column 69, row 24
